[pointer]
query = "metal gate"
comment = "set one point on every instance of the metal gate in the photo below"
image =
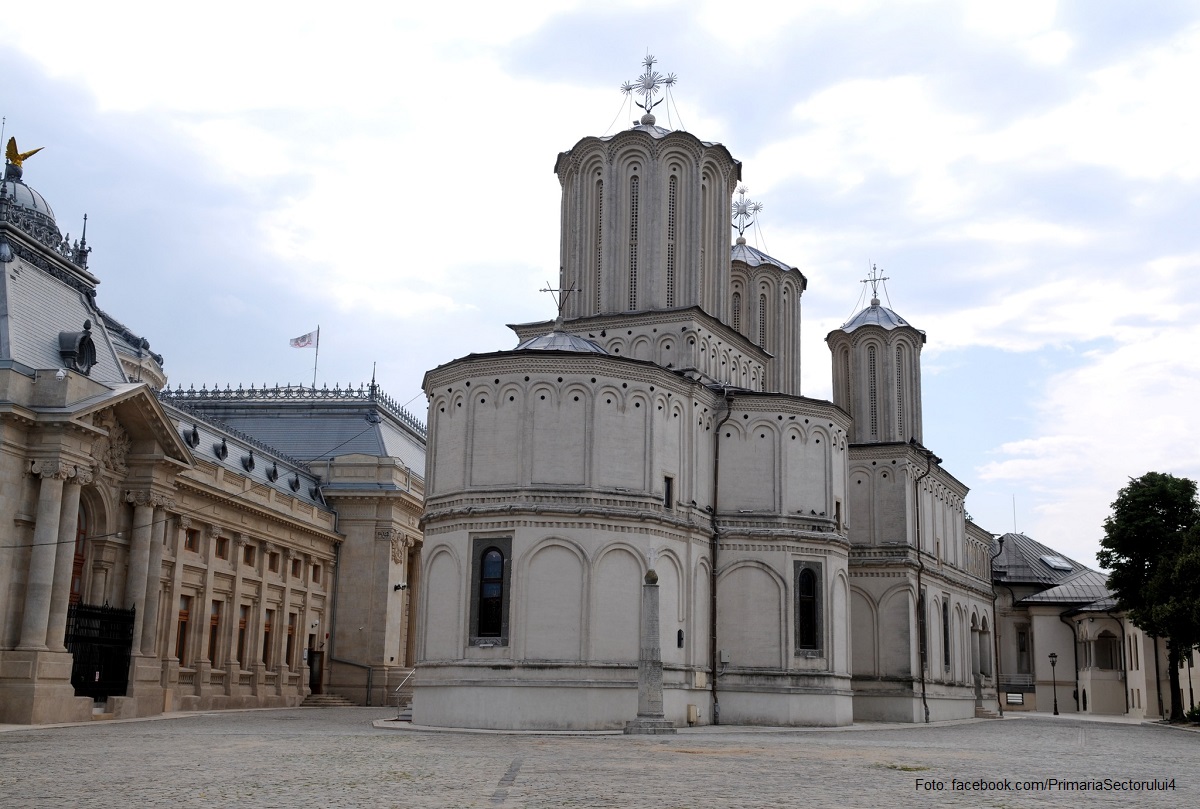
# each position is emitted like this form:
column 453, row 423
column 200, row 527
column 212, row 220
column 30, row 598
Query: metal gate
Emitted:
column 100, row 638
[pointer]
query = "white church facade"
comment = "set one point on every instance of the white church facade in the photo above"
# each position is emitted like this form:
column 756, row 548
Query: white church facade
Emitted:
column 815, row 561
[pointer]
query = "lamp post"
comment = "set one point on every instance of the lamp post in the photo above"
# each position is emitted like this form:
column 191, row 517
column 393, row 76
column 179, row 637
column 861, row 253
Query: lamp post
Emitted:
column 1054, row 678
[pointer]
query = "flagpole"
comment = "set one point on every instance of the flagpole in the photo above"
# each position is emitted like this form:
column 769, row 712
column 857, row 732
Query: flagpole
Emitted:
column 315, row 356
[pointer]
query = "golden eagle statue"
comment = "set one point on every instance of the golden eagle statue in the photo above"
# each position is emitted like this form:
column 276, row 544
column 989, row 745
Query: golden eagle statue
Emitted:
column 15, row 157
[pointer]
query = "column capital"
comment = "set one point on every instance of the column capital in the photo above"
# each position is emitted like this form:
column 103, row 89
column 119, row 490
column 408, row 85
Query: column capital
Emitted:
column 84, row 475
column 213, row 531
column 184, row 521
column 51, row 468
column 145, row 497
column 268, row 547
column 241, row 540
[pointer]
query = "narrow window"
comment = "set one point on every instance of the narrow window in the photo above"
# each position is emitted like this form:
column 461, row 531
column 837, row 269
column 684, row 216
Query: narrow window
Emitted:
column 78, row 562
column 669, row 492
column 871, row 393
column 737, row 311
column 273, row 562
column 214, row 630
column 222, row 547
column 316, row 574
column 181, row 634
column 296, row 563
column 900, row 392
column 924, row 628
column 945, row 633
column 266, row 650
column 289, row 656
column 243, row 619
column 491, row 575
column 806, row 610
column 491, row 593
column 599, row 240
column 191, row 540
column 633, row 242
column 762, row 321
column 672, row 189
column 846, row 377
column 248, row 555
column 1022, row 651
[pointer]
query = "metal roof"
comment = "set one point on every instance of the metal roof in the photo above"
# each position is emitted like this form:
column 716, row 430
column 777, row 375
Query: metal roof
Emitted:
column 754, row 257
column 875, row 315
column 1021, row 561
column 1081, row 587
column 560, row 341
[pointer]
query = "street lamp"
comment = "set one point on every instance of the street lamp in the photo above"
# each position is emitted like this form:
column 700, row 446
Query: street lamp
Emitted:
column 1054, row 678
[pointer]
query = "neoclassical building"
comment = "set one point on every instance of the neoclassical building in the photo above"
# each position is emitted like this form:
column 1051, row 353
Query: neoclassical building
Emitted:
column 156, row 557
column 814, row 560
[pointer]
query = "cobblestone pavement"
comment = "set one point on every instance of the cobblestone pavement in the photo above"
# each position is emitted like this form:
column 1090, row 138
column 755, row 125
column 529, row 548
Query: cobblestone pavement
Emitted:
column 335, row 757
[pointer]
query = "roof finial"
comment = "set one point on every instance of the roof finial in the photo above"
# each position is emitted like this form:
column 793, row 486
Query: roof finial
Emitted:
column 647, row 86
column 874, row 278
column 560, row 300
column 744, row 211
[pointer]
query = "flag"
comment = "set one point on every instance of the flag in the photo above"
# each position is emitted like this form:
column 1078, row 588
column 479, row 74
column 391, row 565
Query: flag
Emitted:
column 305, row 340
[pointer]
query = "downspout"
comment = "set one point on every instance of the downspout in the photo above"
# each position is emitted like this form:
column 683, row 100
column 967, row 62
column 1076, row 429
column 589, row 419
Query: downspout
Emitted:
column 1124, row 662
column 996, row 625
column 714, row 546
column 1075, row 647
column 921, row 621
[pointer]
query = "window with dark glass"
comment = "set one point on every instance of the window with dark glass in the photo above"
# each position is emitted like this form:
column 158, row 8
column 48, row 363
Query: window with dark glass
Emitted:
column 491, row 576
column 181, row 634
column 214, row 628
column 491, row 593
column 945, row 633
column 807, row 584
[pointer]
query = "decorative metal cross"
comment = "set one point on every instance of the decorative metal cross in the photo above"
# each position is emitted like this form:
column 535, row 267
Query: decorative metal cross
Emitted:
column 560, row 300
column 874, row 278
column 648, row 84
column 744, row 211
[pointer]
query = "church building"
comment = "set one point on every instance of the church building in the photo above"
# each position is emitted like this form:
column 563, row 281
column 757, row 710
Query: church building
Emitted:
column 814, row 559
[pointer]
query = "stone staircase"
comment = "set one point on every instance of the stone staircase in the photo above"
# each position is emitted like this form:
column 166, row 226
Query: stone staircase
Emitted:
column 986, row 713
column 327, row 701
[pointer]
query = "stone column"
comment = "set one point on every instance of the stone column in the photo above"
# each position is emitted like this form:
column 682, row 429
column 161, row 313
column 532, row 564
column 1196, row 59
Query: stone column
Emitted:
column 158, row 532
column 64, row 559
column 139, row 558
column 650, row 717
column 40, row 583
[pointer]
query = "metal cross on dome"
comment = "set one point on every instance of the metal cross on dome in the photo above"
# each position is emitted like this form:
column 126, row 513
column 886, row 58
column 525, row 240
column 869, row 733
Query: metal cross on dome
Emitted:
column 648, row 85
column 744, row 211
column 874, row 278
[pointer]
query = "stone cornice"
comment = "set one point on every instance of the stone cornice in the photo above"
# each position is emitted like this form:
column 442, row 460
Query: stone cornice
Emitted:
column 250, row 507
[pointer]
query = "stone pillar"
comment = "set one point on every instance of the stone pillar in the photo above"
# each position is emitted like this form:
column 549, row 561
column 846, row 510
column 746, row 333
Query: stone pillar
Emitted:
column 64, row 560
column 158, row 532
column 40, row 582
column 650, row 717
column 139, row 559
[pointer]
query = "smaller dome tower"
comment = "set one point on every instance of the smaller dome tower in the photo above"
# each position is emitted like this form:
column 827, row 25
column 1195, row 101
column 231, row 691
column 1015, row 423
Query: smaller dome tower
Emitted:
column 877, row 373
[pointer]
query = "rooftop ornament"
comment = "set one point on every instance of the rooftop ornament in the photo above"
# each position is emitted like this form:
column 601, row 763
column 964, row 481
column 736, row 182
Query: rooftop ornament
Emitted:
column 744, row 211
column 647, row 86
column 874, row 278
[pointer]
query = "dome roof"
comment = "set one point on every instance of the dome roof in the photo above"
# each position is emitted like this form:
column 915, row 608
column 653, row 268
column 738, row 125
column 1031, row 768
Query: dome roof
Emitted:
column 560, row 341
column 876, row 315
column 754, row 257
column 28, row 209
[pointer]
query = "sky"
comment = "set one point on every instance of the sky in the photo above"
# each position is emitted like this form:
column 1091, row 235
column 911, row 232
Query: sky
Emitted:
column 1025, row 174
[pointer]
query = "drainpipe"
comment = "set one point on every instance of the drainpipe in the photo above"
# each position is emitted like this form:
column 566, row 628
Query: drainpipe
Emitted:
column 715, row 543
column 996, row 625
column 924, row 640
column 1075, row 647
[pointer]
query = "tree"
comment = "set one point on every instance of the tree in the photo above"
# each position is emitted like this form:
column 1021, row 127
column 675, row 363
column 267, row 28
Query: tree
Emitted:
column 1151, row 545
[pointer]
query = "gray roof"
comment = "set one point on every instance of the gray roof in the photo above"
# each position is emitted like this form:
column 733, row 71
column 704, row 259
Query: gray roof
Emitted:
column 875, row 315
column 1024, row 561
column 560, row 341
column 754, row 257
column 1081, row 587
column 313, row 424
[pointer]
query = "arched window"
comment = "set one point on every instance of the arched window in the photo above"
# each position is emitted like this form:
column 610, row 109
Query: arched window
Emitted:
column 672, row 192
column 491, row 577
column 762, row 320
column 599, row 235
column 633, row 242
column 491, row 593
column 872, row 393
column 900, row 392
column 808, row 607
column 737, row 311
column 945, row 633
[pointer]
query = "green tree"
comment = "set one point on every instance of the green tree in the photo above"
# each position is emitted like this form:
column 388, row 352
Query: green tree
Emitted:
column 1151, row 545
